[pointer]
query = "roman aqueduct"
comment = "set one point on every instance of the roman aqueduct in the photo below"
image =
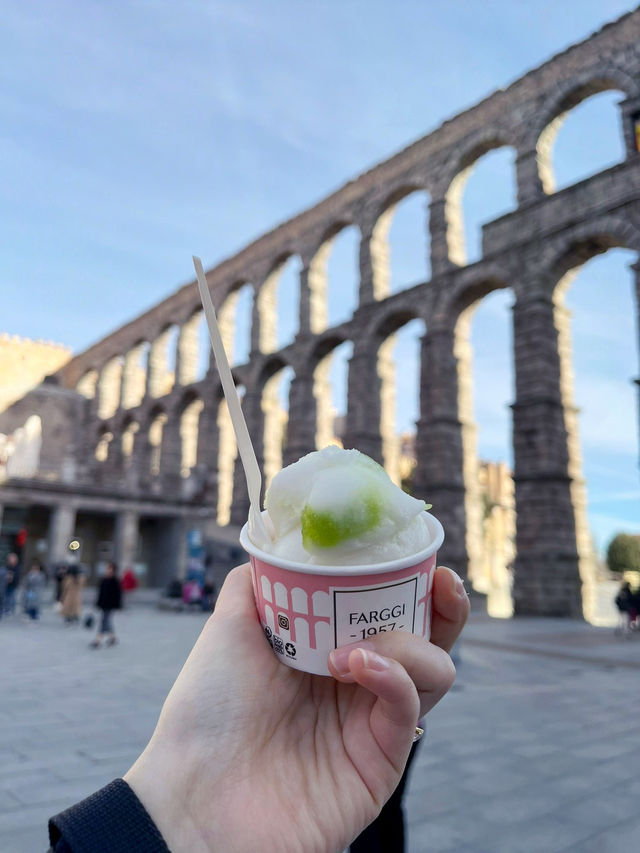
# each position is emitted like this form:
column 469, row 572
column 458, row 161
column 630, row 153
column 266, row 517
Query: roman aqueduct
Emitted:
column 150, row 428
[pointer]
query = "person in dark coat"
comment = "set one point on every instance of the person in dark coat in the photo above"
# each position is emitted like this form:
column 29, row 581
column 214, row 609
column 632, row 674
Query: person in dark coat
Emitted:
column 626, row 603
column 109, row 599
column 12, row 580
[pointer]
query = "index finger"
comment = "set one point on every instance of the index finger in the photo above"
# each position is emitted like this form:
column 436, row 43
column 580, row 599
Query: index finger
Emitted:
column 450, row 608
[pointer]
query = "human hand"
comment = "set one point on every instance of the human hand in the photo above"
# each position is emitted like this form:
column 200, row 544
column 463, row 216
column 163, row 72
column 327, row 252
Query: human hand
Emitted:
column 250, row 754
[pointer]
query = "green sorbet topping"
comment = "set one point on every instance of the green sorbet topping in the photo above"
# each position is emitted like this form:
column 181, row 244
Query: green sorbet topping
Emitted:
column 325, row 529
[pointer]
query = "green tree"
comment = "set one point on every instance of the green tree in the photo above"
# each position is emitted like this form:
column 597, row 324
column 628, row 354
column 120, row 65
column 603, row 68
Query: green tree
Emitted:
column 623, row 553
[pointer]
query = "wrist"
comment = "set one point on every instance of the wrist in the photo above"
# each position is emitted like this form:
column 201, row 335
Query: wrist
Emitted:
column 161, row 780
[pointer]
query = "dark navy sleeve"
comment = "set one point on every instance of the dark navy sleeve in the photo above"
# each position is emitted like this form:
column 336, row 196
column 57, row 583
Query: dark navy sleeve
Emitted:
column 113, row 820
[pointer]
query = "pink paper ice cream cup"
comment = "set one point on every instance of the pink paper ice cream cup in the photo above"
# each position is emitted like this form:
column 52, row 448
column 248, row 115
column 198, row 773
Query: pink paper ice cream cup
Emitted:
column 307, row 610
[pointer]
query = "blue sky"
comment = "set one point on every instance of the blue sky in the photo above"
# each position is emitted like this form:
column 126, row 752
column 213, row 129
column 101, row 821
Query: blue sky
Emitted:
column 133, row 134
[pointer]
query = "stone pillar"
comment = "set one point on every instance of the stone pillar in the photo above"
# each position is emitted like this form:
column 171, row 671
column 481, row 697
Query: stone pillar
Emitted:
column 366, row 264
column 301, row 429
column 126, row 539
column 256, row 322
column 547, row 577
column 528, row 180
column 375, row 272
column 636, row 271
column 305, row 302
column 62, row 523
column 439, row 476
column 208, row 449
column 363, row 407
column 170, row 458
column 438, row 228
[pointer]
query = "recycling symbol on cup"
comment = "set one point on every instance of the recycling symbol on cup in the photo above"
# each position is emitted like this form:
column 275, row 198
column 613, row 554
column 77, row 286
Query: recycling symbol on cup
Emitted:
column 290, row 649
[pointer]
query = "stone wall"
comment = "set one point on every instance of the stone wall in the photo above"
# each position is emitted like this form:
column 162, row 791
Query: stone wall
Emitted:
column 25, row 363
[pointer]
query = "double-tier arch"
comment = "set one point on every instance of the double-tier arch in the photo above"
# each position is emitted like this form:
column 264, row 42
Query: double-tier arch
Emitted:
column 134, row 374
column 479, row 311
column 278, row 312
column 332, row 277
column 329, row 356
column 476, row 148
column 384, row 339
column 235, row 319
column 188, row 413
column 155, row 435
column 401, row 222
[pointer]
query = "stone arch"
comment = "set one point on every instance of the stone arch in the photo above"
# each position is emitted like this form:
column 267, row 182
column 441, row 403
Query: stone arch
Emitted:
column 134, row 374
column 162, row 361
column 88, row 383
column 380, row 248
column 157, row 420
column 275, row 372
column 563, row 263
column 189, row 413
column 227, row 455
column 565, row 97
column 267, row 302
column 190, row 343
column 318, row 283
column 322, row 359
column 384, row 341
column 581, row 243
column 109, row 386
column 228, row 319
column 103, row 442
column 480, row 144
column 128, row 431
column 470, row 291
column 463, row 308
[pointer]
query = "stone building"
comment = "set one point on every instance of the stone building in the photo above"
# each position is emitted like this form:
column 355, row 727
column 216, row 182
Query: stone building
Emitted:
column 25, row 363
column 136, row 448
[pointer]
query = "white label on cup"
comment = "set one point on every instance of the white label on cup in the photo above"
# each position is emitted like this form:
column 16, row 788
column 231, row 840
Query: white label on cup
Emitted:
column 367, row 611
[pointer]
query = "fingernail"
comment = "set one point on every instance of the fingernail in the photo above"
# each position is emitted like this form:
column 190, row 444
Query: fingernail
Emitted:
column 373, row 661
column 340, row 657
column 458, row 585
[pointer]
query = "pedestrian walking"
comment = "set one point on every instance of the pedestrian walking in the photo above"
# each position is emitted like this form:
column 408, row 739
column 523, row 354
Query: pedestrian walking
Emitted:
column 59, row 576
column 72, row 594
column 12, row 567
column 34, row 582
column 109, row 599
column 625, row 601
column 128, row 584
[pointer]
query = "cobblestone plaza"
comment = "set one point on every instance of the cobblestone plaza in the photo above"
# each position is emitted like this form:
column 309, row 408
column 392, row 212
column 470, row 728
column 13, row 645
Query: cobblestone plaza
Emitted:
column 536, row 750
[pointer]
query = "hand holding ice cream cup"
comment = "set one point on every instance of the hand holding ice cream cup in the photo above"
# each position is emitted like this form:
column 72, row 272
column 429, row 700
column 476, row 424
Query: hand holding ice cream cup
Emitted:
column 352, row 556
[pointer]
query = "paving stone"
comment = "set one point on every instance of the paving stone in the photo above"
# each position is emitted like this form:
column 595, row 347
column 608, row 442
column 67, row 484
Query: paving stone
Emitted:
column 513, row 762
column 32, row 840
column 619, row 838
